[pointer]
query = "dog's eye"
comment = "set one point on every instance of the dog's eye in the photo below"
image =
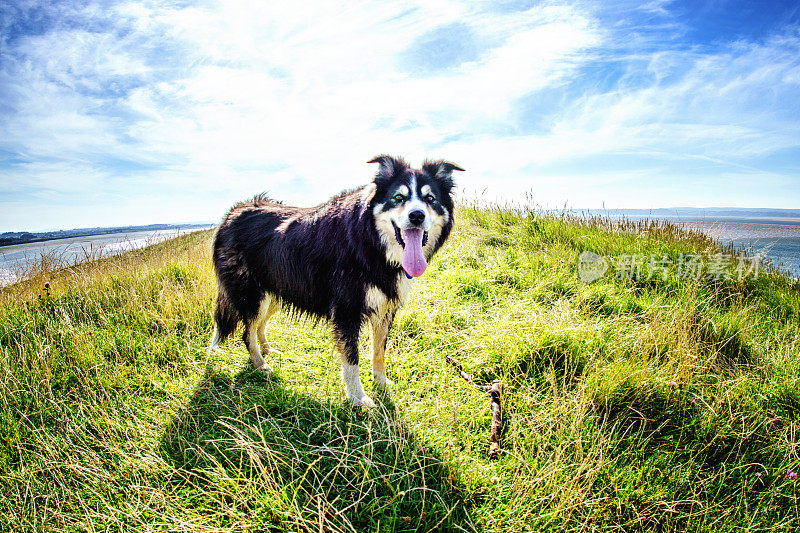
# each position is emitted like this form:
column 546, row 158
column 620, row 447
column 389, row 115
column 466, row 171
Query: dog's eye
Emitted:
column 398, row 197
column 429, row 198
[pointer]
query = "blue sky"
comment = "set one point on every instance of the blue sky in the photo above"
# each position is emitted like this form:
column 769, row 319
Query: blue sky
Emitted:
column 118, row 113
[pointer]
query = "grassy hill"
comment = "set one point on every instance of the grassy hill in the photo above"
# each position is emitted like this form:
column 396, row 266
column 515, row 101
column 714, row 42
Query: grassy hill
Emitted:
column 666, row 404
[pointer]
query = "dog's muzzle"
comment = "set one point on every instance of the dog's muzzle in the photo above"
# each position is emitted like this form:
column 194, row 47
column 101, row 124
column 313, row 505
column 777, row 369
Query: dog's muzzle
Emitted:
column 400, row 238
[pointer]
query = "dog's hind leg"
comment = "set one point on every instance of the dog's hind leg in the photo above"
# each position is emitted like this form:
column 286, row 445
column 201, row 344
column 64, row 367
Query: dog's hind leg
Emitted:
column 269, row 306
column 380, row 336
column 254, row 332
column 250, row 339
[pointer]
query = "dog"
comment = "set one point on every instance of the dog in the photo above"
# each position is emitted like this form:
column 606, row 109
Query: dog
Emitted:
column 349, row 261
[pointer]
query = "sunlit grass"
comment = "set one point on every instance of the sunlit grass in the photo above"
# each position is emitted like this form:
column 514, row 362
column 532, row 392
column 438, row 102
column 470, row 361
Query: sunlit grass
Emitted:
column 666, row 405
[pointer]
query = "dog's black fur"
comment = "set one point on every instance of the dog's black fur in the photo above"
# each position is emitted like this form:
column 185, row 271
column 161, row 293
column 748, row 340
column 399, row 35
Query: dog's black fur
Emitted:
column 322, row 261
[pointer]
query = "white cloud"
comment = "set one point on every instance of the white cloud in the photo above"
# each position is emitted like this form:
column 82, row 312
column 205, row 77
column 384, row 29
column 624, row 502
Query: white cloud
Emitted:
column 222, row 100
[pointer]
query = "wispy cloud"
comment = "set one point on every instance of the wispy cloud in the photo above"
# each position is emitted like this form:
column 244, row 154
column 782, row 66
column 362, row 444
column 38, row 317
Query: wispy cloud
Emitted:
column 173, row 111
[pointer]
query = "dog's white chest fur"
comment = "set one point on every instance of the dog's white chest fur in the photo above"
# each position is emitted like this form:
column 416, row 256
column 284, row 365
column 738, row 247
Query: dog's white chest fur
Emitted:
column 376, row 301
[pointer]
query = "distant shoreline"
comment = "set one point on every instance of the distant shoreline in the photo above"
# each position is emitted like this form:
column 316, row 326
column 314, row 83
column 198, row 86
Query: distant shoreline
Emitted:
column 16, row 259
column 687, row 219
column 13, row 238
column 707, row 214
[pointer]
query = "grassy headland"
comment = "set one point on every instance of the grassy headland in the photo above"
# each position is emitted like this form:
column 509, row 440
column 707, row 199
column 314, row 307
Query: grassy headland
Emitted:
column 667, row 404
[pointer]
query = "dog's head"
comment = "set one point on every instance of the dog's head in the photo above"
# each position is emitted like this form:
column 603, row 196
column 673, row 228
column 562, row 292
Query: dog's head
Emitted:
column 413, row 210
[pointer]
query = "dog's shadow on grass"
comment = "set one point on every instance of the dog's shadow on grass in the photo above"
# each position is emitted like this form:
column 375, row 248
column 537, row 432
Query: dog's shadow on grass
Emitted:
column 247, row 447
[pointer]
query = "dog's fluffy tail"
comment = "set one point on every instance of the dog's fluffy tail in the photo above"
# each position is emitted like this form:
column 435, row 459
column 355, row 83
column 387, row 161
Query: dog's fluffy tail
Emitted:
column 225, row 320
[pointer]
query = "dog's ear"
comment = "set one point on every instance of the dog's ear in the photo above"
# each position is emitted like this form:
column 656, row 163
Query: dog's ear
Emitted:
column 442, row 171
column 388, row 166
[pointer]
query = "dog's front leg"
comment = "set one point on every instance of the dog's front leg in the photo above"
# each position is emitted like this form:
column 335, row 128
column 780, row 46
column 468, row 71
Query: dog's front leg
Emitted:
column 347, row 343
column 380, row 336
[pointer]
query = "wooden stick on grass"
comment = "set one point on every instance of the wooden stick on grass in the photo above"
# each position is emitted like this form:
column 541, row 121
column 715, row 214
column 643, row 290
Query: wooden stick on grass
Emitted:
column 495, row 389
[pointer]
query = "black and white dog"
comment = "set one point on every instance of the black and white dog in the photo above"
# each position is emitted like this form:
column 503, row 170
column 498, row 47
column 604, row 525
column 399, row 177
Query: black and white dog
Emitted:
column 349, row 260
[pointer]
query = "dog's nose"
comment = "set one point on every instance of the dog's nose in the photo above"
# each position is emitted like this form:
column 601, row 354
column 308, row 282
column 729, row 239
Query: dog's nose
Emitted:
column 417, row 216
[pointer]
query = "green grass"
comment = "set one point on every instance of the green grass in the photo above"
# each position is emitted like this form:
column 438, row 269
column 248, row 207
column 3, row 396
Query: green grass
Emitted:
column 643, row 405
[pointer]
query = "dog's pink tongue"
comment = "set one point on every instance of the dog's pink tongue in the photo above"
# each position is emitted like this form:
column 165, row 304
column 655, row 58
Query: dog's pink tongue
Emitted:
column 413, row 260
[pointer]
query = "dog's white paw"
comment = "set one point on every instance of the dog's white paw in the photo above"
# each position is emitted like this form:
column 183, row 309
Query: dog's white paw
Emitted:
column 267, row 349
column 264, row 367
column 364, row 401
column 382, row 381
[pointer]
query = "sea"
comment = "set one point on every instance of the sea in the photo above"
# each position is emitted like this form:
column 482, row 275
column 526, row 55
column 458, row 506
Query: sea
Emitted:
column 775, row 238
column 15, row 260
